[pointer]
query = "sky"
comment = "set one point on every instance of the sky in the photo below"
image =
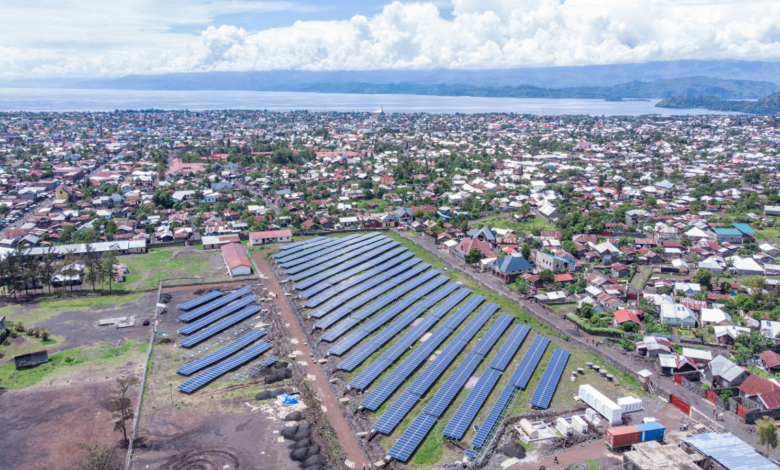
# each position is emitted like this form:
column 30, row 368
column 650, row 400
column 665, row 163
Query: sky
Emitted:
column 99, row 38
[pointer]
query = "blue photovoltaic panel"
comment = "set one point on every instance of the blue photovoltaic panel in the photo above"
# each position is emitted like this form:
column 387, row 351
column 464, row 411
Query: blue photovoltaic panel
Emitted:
column 379, row 270
column 470, row 407
column 341, row 254
column 270, row 360
column 221, row 353
column 221, row 326
column 468, row 333
column 342, row 263
column 496, row 330
column 200, row 311
column 348, row 343
column 308, row 251
column 552, row 375
column 462, row 313
column 382, row 392
column 369, row 374
column 226, row 366
column 212, row 317
column 493, row 416
column 510, row 347
column 200, row 300
column 432, row 373
column 389, row 421
column 354, row 304
column 528, row 365
column 345, row 245
column 377, row 276
column 406, row 445
column 298, row 246
column 454, row 383
column 334, row 333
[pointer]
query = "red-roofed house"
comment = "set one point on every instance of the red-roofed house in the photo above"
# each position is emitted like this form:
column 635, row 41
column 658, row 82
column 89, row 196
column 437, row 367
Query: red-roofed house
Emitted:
column 463, row 248
column 271, row 236
column 237, row 262
column 771, row 360
column 622, row 316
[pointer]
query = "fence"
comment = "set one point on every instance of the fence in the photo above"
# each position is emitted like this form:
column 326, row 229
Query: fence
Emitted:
column 683, row 406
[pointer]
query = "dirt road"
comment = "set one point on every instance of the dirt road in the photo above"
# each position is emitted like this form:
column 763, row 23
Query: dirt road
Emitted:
column 347, row 441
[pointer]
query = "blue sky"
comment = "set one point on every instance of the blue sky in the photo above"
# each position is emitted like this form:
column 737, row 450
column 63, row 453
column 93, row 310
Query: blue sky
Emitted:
column 99, row 38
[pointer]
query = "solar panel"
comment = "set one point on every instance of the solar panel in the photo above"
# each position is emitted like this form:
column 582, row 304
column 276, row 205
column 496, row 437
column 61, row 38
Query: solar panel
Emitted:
column 510, row 347
column 528, row 365
column 221, row 326
column 462, row 313
column 470, row 407
column 468, row 333
column 200, row 311
column 270, row 360
column 408, row 442
column 323, row 281
column 552, row 375
column 221, row 353
column 436, row 368
column 381, row 274
column 346, row 261
column 346, row 245
column 454, row 384
column 298, row 246
column 393, row 296
column 212, row 317
column 492, row 335
column 382, row 392
column 309, row 251
column 200, row 300
column 493, row 417
column 388, row 421
column 354, row 304
column 226, row 366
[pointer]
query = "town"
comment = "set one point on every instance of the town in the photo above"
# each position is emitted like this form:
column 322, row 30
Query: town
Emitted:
column 615, row 281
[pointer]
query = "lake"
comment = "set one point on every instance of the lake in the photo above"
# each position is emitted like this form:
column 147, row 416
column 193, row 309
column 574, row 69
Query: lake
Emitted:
column 59, row 99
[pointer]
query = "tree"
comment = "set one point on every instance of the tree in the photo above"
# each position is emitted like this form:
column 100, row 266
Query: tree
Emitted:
column 122, row 410
column 111, row 229
column 767, row 433
column 526, row 252
column 92, row 266
column 473, row 256
column 547, row 277
column 107, row 262
column 704, row 278
column 163, row 198
column 100, row 456
column 585, row 311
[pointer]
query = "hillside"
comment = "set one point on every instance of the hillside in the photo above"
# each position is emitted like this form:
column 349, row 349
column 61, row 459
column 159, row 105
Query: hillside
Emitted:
column 768, row 105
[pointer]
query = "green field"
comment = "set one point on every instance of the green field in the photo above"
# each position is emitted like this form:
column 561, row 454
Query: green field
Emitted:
column 518, row 227
column 172, row 266
column 31, row 314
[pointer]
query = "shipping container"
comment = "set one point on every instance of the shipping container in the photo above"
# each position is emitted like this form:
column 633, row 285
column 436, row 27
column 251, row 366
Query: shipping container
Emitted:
column 621, row 437
column 653, row 431
column 606, row 407
column 563, row 426
column 629, row 404
column 579, row 424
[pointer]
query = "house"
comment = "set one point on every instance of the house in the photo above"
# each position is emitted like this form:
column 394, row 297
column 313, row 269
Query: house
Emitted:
column 713, row 265
column 748, row 234
column 745, row 267
column 688, row 289
column 721, row 373
column 553, row 263
column 771, row 330
column 509, row 267
column 404, row 215
column 678, row 315
column 65, row 192
column 770, row 360
column 623, row 316
column 271, row 236
column 236, row 260
column 771, row 210
column 714, row 316
column 727, row 334
column 761, row 391
column 465, row 245
column 564, row 278
column 697, row 356
column 620, row 270
column 670, row 364
column 483, row 234
column 653, row 346
column 213, row 242
column 730, row 235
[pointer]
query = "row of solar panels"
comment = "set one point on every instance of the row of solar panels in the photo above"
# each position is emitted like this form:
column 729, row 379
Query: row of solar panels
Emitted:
column 346, row 245
column 318, row 270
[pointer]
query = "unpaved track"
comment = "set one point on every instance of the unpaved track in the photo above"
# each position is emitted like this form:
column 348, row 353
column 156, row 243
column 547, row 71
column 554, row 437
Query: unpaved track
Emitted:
column 347, row 441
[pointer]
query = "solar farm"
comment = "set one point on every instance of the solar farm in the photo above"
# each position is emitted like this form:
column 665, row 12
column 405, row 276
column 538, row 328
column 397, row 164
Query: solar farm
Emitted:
column 421, row 357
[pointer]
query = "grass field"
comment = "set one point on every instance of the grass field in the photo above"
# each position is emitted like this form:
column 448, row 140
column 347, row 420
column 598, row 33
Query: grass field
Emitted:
column 44, row 310
column 172, row 266
column 71, row 361
column 518, row 227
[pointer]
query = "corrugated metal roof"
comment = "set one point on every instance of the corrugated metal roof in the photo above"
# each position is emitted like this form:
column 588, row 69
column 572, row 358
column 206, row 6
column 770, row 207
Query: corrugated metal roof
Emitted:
column 697, row 353
column 730, row 451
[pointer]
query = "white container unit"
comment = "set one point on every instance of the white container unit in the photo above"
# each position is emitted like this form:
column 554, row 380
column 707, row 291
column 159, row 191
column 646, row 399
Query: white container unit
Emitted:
column 563, row 426
column 629, row 404
column 606, row 407
column 579, row 424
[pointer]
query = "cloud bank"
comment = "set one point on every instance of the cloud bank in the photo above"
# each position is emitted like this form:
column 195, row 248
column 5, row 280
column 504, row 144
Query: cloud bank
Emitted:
column 98, row 38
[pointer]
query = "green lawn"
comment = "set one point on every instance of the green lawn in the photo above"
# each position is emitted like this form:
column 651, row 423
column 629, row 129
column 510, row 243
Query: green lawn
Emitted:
column 171, row 266
column 518, row 227
column 29, row 314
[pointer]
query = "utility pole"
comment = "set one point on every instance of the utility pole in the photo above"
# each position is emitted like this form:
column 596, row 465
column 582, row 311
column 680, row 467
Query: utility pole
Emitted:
column 170, row 387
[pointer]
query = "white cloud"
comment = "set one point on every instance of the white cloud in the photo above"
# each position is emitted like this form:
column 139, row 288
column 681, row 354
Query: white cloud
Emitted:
column 101, row 38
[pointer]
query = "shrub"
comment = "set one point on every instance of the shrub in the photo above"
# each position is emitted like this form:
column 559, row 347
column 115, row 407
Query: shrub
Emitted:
column 20, row 327
column 594, row 330
column 726, row 395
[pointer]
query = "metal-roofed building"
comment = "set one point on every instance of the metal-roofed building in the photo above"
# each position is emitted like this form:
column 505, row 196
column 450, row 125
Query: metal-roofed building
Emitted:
column 728, row 451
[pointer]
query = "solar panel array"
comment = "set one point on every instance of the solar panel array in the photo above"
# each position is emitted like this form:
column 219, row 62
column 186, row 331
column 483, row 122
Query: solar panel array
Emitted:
column 388, row 386
column 221, row 326
column 470, row 407
column 411, row 439
column 226, row 366
column 552, row 375
column 333, row 267
column 200, row 311
column 496, row 330
column 388, row 333
column 335, row 289
column 309, row 250
column 355, row 337
column 364, row 379
column 529, row 363
column 333, row 333
column 404, row 405
column 343, row 246
column 454, row 383
column 341, row 312
column 200, row 300
column 379, row 275
column 221, row 353
column 298, row 246
column 360, row 246
column 494, row 416
column 212, row 317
